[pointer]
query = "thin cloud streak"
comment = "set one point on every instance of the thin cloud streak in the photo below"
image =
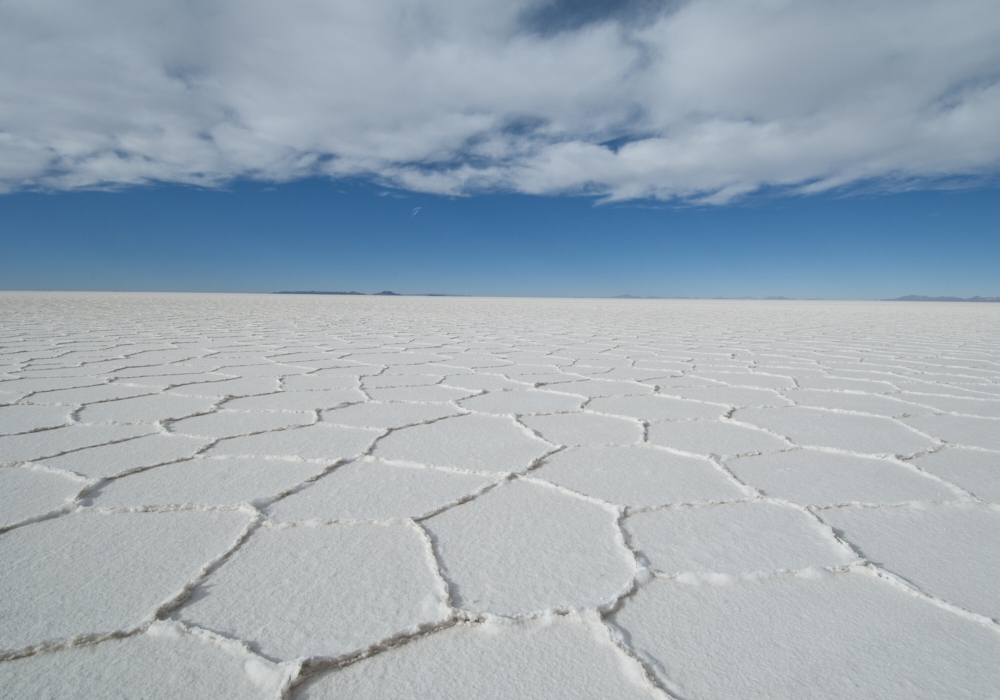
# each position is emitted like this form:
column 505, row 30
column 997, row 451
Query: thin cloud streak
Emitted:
column 707, row 100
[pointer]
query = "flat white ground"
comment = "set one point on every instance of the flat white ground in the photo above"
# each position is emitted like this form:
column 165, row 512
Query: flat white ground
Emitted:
column 209, row 496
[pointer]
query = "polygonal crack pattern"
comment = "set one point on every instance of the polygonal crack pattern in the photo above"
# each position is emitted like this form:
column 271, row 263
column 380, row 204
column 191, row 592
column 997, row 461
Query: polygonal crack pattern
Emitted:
column 313, row 497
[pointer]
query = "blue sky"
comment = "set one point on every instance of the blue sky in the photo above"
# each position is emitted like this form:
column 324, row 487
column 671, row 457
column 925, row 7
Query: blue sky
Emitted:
column 342, row 236
column 555, row 147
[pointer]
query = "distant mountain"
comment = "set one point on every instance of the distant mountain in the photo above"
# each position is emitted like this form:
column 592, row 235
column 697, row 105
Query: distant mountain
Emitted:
column 920, row 297
column 385, row 294
column 342, row 293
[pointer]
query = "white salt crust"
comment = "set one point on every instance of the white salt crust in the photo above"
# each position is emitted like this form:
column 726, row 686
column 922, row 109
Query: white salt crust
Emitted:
column 289, row 497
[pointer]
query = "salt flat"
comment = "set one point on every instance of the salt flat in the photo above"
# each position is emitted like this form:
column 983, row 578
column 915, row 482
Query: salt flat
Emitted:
column 252, row 496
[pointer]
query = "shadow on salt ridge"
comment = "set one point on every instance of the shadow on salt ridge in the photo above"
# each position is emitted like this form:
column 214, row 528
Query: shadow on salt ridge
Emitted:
column 654, row 408
column 585, row 429
column 384, row 381
column 947, row 551
column 27, row 493
column 822, row 428
column 262, row 370
column 373, row 490
column 981, row 407
column 226, row 423
column 961, row 430
column 43, row 444
column 310, row 382
column 396, row 358
column 527, row 401
column 735, row 538
column 24, row 418
column 102, row 573
column 108, row 460
column 152, row 665
column 320, row 591
column 524, row 548
column 27, row 385
column 638, row 476
column 205, row 482
column 834, row 634
column 317, row 442
column 295, row 400
column 428, row 394
column 625, row 373
column 85, row 395
column 161, row 382
column 888, row 406
column 488, row 382
column 472, row 442
column 557, row 658
column 728, row 396
column 810, row 477
column 976, row 472
column 744, row 379
column 145, row 409
column 376, row 414
column 844, row 383
column 248, row 386
column 708, row 437
column 597, row 388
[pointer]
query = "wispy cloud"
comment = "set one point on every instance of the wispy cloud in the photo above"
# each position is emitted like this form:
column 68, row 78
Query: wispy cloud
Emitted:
column 704, row 100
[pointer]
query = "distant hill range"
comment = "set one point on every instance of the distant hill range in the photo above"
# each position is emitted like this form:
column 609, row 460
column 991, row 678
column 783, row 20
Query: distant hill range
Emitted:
column 920, row 297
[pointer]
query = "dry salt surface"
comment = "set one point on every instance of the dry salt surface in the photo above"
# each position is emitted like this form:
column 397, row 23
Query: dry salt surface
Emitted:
column 331, row 497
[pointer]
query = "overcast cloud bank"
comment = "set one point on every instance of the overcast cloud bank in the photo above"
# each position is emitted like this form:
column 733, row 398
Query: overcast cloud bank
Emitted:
column 702, row 100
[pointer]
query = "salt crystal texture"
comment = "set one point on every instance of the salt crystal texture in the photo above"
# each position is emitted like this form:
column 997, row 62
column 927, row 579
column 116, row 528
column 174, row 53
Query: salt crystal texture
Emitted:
column 714, row 437
column 811, row 477
column 145, row 409
column 377, row 491
column 523, row 402
column 975, row 471
column 319, row 591
column 639, row 476
column 24, row 418
column 53, row 443
column 555, row 659
column 844, row 431
column 315, row 496
column 739, row 538
column 836, row 637
column 108, row 460
column 960, row 430
column 93, row 574
column 27, row 493
column 473, row 442
column 318, row 442
column 584, row 429
column 205, row 482
column 147, row 666
column 524, row 548
column 947, row 551
column 223, row 424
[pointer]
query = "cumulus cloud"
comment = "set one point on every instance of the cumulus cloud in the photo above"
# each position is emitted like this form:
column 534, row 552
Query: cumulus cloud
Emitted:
column 700, row 99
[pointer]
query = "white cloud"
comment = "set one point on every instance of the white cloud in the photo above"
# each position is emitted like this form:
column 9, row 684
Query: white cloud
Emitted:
column 706, row 99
